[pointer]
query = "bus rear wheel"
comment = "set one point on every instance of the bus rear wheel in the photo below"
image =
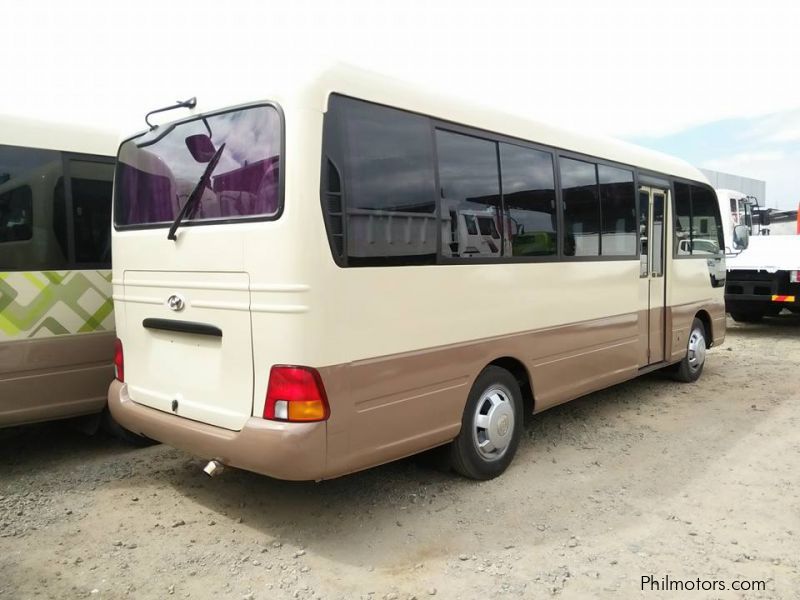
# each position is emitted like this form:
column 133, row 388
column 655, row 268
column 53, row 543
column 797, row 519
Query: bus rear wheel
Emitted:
column 491, row 426
column 691, row 367
column 118, row 431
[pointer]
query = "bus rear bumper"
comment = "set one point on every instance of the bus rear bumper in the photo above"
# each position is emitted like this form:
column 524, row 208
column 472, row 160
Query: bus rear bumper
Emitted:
column 293, row 451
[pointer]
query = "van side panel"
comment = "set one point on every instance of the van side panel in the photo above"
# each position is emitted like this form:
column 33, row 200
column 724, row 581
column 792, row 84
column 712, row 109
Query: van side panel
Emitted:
column 55, row 377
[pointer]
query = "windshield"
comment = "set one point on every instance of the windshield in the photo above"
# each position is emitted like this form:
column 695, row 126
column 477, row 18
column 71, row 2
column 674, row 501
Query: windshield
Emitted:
column 157, row 172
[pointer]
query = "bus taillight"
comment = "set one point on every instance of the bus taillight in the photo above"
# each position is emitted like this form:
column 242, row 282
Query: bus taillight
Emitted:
column 295, row 394
column 119, row 360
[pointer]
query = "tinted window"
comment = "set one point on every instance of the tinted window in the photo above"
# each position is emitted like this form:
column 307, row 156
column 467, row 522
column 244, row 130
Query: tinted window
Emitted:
column 60, row 216
column 390, row 193
column 683, row 217
column 470, row 188
column 658, row 234
column 618, row 210
column 91, row 210
column 698, row 228
column 158, row 171
column 644, row 232
column 28, row 178
column 530, row 201
column 581, row 208
column 706, row 225
column 16, row 214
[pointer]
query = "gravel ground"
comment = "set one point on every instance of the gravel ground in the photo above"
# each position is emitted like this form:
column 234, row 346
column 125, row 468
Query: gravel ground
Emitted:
column 650, row 477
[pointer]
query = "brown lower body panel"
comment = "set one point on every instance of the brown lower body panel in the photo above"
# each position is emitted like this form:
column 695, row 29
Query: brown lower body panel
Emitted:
column 679, row 324
column 294, row 451
column 389, row 407
column 55, row 377
column 386, row 408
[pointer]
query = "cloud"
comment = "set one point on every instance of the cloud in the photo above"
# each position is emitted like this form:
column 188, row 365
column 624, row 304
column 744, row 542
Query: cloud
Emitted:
column 777, row 128
column 765, row 147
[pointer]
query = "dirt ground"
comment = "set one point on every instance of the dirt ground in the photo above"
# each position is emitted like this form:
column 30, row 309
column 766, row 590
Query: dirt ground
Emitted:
column 650, row 477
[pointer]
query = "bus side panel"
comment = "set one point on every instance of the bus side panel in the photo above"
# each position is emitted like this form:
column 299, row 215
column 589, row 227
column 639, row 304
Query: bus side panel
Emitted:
column 690, row 292
column 55, row 377
column 390, row 407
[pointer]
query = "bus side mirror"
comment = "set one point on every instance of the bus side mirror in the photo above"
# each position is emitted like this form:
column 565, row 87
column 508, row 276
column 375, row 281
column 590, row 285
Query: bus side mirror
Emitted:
column 763, row 218
column 741, row 237
column 201, row 147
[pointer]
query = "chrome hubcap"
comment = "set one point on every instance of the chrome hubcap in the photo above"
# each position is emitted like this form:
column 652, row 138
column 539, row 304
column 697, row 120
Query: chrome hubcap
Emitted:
column 697, row 349
column 493, row 423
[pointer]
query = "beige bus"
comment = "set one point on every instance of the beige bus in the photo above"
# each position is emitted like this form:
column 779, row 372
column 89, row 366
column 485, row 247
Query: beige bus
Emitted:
column 348, row 270
column 56, row 312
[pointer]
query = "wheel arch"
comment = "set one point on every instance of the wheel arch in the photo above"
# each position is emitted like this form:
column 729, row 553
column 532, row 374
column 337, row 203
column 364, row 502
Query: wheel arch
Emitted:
column 522, row 375
column 705, row 319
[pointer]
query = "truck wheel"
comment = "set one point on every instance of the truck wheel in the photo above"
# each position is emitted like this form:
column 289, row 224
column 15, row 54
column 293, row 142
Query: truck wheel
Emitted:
column 691, row 367
column 747, row 317
column 491, row 426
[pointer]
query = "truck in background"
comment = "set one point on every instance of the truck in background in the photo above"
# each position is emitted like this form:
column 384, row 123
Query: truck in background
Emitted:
column 765, row 278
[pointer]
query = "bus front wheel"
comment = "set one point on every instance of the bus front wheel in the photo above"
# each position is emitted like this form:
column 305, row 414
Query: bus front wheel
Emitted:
column 491, row 426
column 691, row 367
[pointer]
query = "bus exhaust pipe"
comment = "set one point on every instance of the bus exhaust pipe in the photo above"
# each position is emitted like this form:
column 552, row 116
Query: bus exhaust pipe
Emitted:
column 213, row 468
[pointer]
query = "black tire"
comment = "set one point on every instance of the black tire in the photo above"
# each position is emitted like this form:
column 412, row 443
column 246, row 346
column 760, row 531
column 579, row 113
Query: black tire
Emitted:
column 747, row 317
column 466, row 455
column 691, row 367
column 111, row 427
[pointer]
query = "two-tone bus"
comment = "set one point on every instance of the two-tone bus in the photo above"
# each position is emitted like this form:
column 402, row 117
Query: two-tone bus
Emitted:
column 56, row 312
column 352, row 270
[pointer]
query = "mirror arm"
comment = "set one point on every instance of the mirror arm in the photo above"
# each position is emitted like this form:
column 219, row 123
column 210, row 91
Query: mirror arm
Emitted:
column 190, row 103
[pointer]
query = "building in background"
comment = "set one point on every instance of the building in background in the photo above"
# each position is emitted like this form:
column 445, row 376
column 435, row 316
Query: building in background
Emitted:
column 745, row 185
column 780, row 222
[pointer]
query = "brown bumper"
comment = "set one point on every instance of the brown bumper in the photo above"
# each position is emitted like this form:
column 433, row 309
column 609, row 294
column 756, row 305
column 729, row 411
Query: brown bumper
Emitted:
column 294, row 451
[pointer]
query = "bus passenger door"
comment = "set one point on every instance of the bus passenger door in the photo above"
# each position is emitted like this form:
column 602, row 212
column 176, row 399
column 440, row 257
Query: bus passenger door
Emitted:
column 652, row 288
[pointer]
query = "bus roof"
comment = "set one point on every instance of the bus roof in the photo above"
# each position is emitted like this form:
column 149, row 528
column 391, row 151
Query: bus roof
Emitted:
column 55, row 135
column 310, row 86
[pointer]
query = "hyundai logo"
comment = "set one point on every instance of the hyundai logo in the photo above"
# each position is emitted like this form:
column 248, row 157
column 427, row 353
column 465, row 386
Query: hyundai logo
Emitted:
column 176, row 302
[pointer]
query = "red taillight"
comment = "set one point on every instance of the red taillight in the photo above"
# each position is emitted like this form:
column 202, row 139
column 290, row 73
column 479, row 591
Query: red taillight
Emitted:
column 119, row 360
column 295, row 394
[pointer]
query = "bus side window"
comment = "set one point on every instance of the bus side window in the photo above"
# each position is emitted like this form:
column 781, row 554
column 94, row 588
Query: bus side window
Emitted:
column 529, row 198
column 683, row 217
column 581, row 207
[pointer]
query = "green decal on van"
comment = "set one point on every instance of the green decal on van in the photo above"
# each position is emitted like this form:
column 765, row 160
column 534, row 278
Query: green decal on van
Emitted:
column 48, row 303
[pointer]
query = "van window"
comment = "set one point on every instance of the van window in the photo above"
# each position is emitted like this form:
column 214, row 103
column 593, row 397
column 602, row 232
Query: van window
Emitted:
column 16, row 214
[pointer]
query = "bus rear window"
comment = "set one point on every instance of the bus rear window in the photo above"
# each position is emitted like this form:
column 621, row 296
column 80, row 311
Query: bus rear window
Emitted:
column 159, row 170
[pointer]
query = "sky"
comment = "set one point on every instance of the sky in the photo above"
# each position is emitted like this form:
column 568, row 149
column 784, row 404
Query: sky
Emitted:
column 713, row 82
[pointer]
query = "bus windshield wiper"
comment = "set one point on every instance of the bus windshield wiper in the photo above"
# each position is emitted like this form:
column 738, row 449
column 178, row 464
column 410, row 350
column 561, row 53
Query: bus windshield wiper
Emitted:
column 196, row 194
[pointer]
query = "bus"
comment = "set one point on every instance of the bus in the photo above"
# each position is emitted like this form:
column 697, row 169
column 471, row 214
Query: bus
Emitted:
column 56, row 311
column 287, row 303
